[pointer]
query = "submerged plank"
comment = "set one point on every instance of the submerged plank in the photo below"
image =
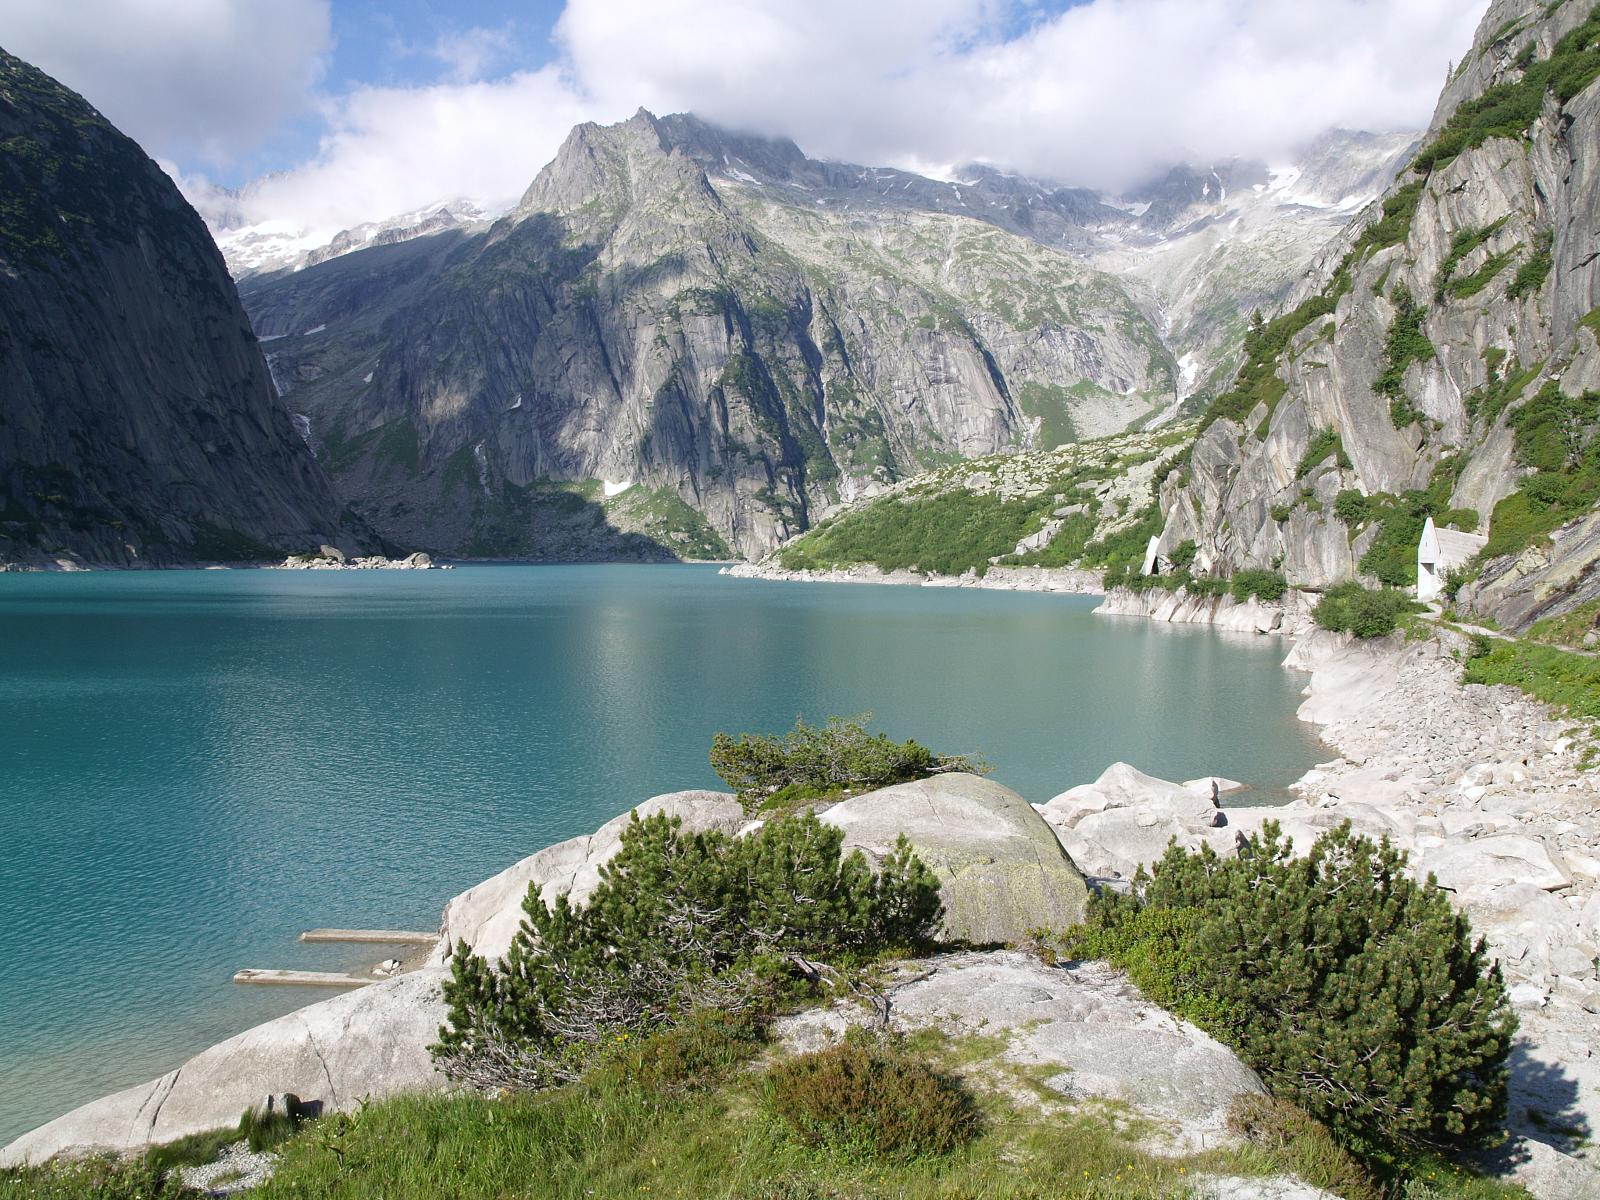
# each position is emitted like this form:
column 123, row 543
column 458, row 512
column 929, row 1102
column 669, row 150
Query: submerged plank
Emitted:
column 388, row 937
column 268, row 975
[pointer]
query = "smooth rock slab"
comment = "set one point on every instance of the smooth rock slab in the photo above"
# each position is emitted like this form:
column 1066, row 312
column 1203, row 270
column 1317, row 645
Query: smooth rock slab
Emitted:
column 1085, row 1020
column 369, row 1043
column 1506, row 859
column 1001, row 870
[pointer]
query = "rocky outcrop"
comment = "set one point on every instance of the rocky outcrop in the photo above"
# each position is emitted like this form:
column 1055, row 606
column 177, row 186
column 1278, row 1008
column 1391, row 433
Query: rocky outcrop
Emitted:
column 1001, row 871
column 367, row 1043
column 1416, row 340
column 140, row 426
column 1223, row 612
column 1090, row 1031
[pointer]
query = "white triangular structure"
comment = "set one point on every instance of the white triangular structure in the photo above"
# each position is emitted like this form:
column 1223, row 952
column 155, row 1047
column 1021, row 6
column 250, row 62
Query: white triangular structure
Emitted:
column 1149, row 567
column 1440, row 551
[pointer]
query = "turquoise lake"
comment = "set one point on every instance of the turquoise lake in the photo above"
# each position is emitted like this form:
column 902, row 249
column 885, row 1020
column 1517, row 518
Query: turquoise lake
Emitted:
column 197, row 765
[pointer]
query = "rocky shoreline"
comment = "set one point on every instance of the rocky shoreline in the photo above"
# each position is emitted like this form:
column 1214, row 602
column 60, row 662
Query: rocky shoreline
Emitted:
column 1484, row 787
column 1072, row 580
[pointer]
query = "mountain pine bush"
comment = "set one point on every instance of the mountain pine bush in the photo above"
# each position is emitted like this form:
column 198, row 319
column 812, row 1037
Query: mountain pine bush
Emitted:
column 1356, row 991
column 823, row 761
column 679, row 922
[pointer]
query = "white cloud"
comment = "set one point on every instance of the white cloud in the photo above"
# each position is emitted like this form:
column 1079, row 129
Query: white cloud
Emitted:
column 1100, row 94
column 472, row 54
column 205, row 79
column 391, row 150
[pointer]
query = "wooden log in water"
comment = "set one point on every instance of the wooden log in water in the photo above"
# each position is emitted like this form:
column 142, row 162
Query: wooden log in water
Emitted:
column 384, row 937
column 273, row 977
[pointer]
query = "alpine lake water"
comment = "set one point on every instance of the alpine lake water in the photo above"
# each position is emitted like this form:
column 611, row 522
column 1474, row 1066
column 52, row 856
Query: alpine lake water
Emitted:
column 197, row 765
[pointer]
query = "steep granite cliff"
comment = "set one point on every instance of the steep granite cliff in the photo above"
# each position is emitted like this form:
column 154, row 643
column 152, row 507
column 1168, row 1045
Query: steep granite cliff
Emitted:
column 138, row 424
column 1442, row 356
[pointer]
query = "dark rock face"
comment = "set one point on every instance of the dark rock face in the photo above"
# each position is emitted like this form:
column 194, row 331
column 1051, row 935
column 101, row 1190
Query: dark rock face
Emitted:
column 138, row 424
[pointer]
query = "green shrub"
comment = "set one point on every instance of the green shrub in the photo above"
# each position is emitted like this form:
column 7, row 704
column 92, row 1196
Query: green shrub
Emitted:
column 1264, row 585
column 1183, row 555
column 1351, row 506
column 1324, row 444
column 707, row 1047
column 1357, row 992
column 872, row 1100
column 679, row 921
column 823, row 761
column 1281, row 512
column 1351, row 608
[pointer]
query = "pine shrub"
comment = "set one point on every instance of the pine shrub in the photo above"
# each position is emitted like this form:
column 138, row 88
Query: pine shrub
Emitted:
column 823, row 762
column 679, row 922
column 1356, row 991
column 870, row 1099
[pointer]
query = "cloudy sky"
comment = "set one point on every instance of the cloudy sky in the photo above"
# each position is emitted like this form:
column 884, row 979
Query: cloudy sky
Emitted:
column 349, row 110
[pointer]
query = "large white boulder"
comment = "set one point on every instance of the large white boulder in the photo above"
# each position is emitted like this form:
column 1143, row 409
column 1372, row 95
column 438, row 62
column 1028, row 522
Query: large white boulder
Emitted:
column 1126, row 819
column 1001, row 871
column 366, row 1043
column 1487, row 861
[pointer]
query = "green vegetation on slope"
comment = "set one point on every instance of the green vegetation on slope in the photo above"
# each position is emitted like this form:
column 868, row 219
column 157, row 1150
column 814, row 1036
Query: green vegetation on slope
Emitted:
column 1323, row 444
column 945, row 533
column 1555, row 436
column 1258, row 381
column 1392, row 557
column 1507, row 109
column 1558, row 677
column 1405, row 344
column 1532, row 273
column 664, row 517
column 960, row 518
